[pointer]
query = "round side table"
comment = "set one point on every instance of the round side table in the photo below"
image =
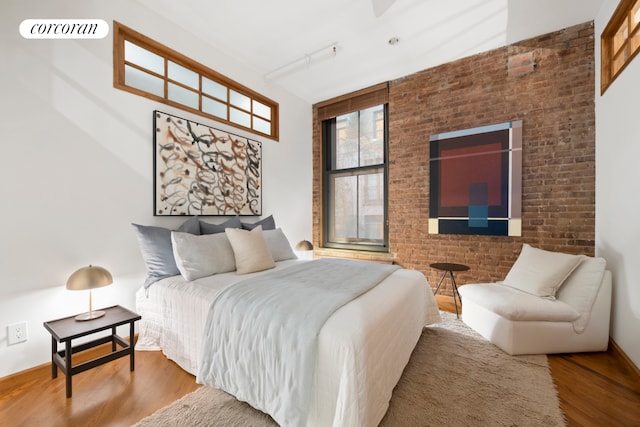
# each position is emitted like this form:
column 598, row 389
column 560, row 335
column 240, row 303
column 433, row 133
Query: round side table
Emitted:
column 448, row 268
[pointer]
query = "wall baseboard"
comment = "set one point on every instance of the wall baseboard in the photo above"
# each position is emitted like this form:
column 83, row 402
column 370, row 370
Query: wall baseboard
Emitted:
column 36, row 373
column 615, row 348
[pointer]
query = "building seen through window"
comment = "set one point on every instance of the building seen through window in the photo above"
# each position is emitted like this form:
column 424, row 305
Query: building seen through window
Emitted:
column 355, row 198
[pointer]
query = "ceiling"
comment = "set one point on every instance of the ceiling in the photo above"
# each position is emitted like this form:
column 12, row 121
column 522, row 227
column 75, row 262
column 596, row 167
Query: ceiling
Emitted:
column 291, row 42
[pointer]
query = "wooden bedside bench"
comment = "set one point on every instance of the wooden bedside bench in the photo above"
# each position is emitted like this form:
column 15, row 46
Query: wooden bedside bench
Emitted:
column 67, row 329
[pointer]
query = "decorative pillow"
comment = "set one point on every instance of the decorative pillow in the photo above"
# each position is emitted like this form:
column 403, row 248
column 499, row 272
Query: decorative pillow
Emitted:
column 581, row 288
column 278, row 245
column 208, row 228
column 157, row 251
column 250, row 250
column 267, row 223
column 200, row 256
column 191, row 226
column 540, row 272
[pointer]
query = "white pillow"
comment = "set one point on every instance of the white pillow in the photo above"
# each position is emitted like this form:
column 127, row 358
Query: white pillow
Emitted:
column 250, row 249
column 278, row 245
column 581, row 288
column 200, row 256
column 540, row 272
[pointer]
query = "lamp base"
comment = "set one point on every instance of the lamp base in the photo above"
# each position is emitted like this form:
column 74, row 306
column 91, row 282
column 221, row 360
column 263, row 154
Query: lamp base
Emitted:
column 90, row 315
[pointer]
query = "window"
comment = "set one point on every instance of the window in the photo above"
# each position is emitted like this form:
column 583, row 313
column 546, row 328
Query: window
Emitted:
column 150, row 69
column 355, row 176
column 620, row 41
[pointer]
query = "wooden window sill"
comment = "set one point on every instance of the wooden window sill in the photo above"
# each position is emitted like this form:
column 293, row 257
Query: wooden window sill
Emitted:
column 382, row 257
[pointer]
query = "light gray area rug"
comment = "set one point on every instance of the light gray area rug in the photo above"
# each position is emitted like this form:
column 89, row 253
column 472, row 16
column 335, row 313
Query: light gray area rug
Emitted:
column 454, row 378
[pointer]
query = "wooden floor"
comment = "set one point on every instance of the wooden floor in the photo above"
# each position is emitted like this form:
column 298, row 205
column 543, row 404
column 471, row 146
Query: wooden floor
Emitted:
column 596, row 389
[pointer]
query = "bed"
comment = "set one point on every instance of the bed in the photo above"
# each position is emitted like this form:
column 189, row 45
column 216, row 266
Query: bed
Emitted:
column 362, row 348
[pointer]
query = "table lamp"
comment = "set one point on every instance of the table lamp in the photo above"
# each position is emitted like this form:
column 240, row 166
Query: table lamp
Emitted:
column 305, row 247
column 89, row 278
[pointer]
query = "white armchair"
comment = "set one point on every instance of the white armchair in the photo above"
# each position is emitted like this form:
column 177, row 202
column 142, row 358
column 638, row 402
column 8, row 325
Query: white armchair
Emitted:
column 548, row 303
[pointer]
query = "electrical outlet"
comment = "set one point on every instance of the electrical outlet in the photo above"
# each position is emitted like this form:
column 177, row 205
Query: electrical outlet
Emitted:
column 17, row 332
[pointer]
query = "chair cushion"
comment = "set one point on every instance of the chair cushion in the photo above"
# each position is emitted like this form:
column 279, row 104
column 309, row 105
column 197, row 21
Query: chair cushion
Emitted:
column 514, row 304
column 581, row 288
column 540, row 272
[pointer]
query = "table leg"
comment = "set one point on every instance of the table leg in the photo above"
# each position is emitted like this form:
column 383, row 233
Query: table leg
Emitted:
column 440, row 282
column 54, row 351
column 113, row 340
column 131, row 345
column 67, row 363
column 454, row 291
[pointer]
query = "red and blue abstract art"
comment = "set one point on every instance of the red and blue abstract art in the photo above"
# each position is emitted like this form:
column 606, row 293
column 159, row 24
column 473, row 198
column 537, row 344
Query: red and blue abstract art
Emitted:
column 476, row 181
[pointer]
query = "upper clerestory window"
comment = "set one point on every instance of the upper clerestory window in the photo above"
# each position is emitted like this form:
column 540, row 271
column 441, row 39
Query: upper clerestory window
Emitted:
column 620, row 41
column 147, row 68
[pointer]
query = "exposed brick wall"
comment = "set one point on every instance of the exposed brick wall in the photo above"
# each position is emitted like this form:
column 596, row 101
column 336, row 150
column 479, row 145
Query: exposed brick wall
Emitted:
column 548, row 83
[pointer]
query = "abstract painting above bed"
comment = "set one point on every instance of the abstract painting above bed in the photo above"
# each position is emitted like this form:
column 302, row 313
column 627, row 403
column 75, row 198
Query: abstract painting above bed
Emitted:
column 200, row 170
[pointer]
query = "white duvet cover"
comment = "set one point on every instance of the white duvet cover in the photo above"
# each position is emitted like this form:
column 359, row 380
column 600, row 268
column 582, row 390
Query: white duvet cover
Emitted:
column 362, row 348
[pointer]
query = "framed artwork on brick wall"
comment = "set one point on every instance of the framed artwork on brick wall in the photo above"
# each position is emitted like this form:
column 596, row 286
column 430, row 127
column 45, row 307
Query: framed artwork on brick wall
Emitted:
column 200, row 170
column 476, row 181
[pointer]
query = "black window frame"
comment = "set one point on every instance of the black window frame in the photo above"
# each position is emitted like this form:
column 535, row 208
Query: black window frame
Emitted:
column 328, row 136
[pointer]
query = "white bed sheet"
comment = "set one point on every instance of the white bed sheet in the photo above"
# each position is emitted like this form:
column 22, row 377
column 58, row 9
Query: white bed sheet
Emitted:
column 357, row 367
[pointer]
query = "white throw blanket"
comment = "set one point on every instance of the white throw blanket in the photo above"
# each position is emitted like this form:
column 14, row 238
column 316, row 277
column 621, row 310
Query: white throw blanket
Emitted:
column 260, row 338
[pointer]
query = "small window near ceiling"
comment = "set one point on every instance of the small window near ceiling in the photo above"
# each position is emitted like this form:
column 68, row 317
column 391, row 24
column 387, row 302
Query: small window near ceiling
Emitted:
column 147, row 68
column 620, row 41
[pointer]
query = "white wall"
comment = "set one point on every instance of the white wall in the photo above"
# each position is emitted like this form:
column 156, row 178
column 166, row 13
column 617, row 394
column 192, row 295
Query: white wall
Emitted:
column 617, row 192
column 76, row 165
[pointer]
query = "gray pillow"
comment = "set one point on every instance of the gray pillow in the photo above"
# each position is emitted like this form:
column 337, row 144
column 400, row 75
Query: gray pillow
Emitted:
column 267, row 223
column 200, row 256
column 279, row 245
column 191, row 226
column 157, row 251
column 208, row 228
